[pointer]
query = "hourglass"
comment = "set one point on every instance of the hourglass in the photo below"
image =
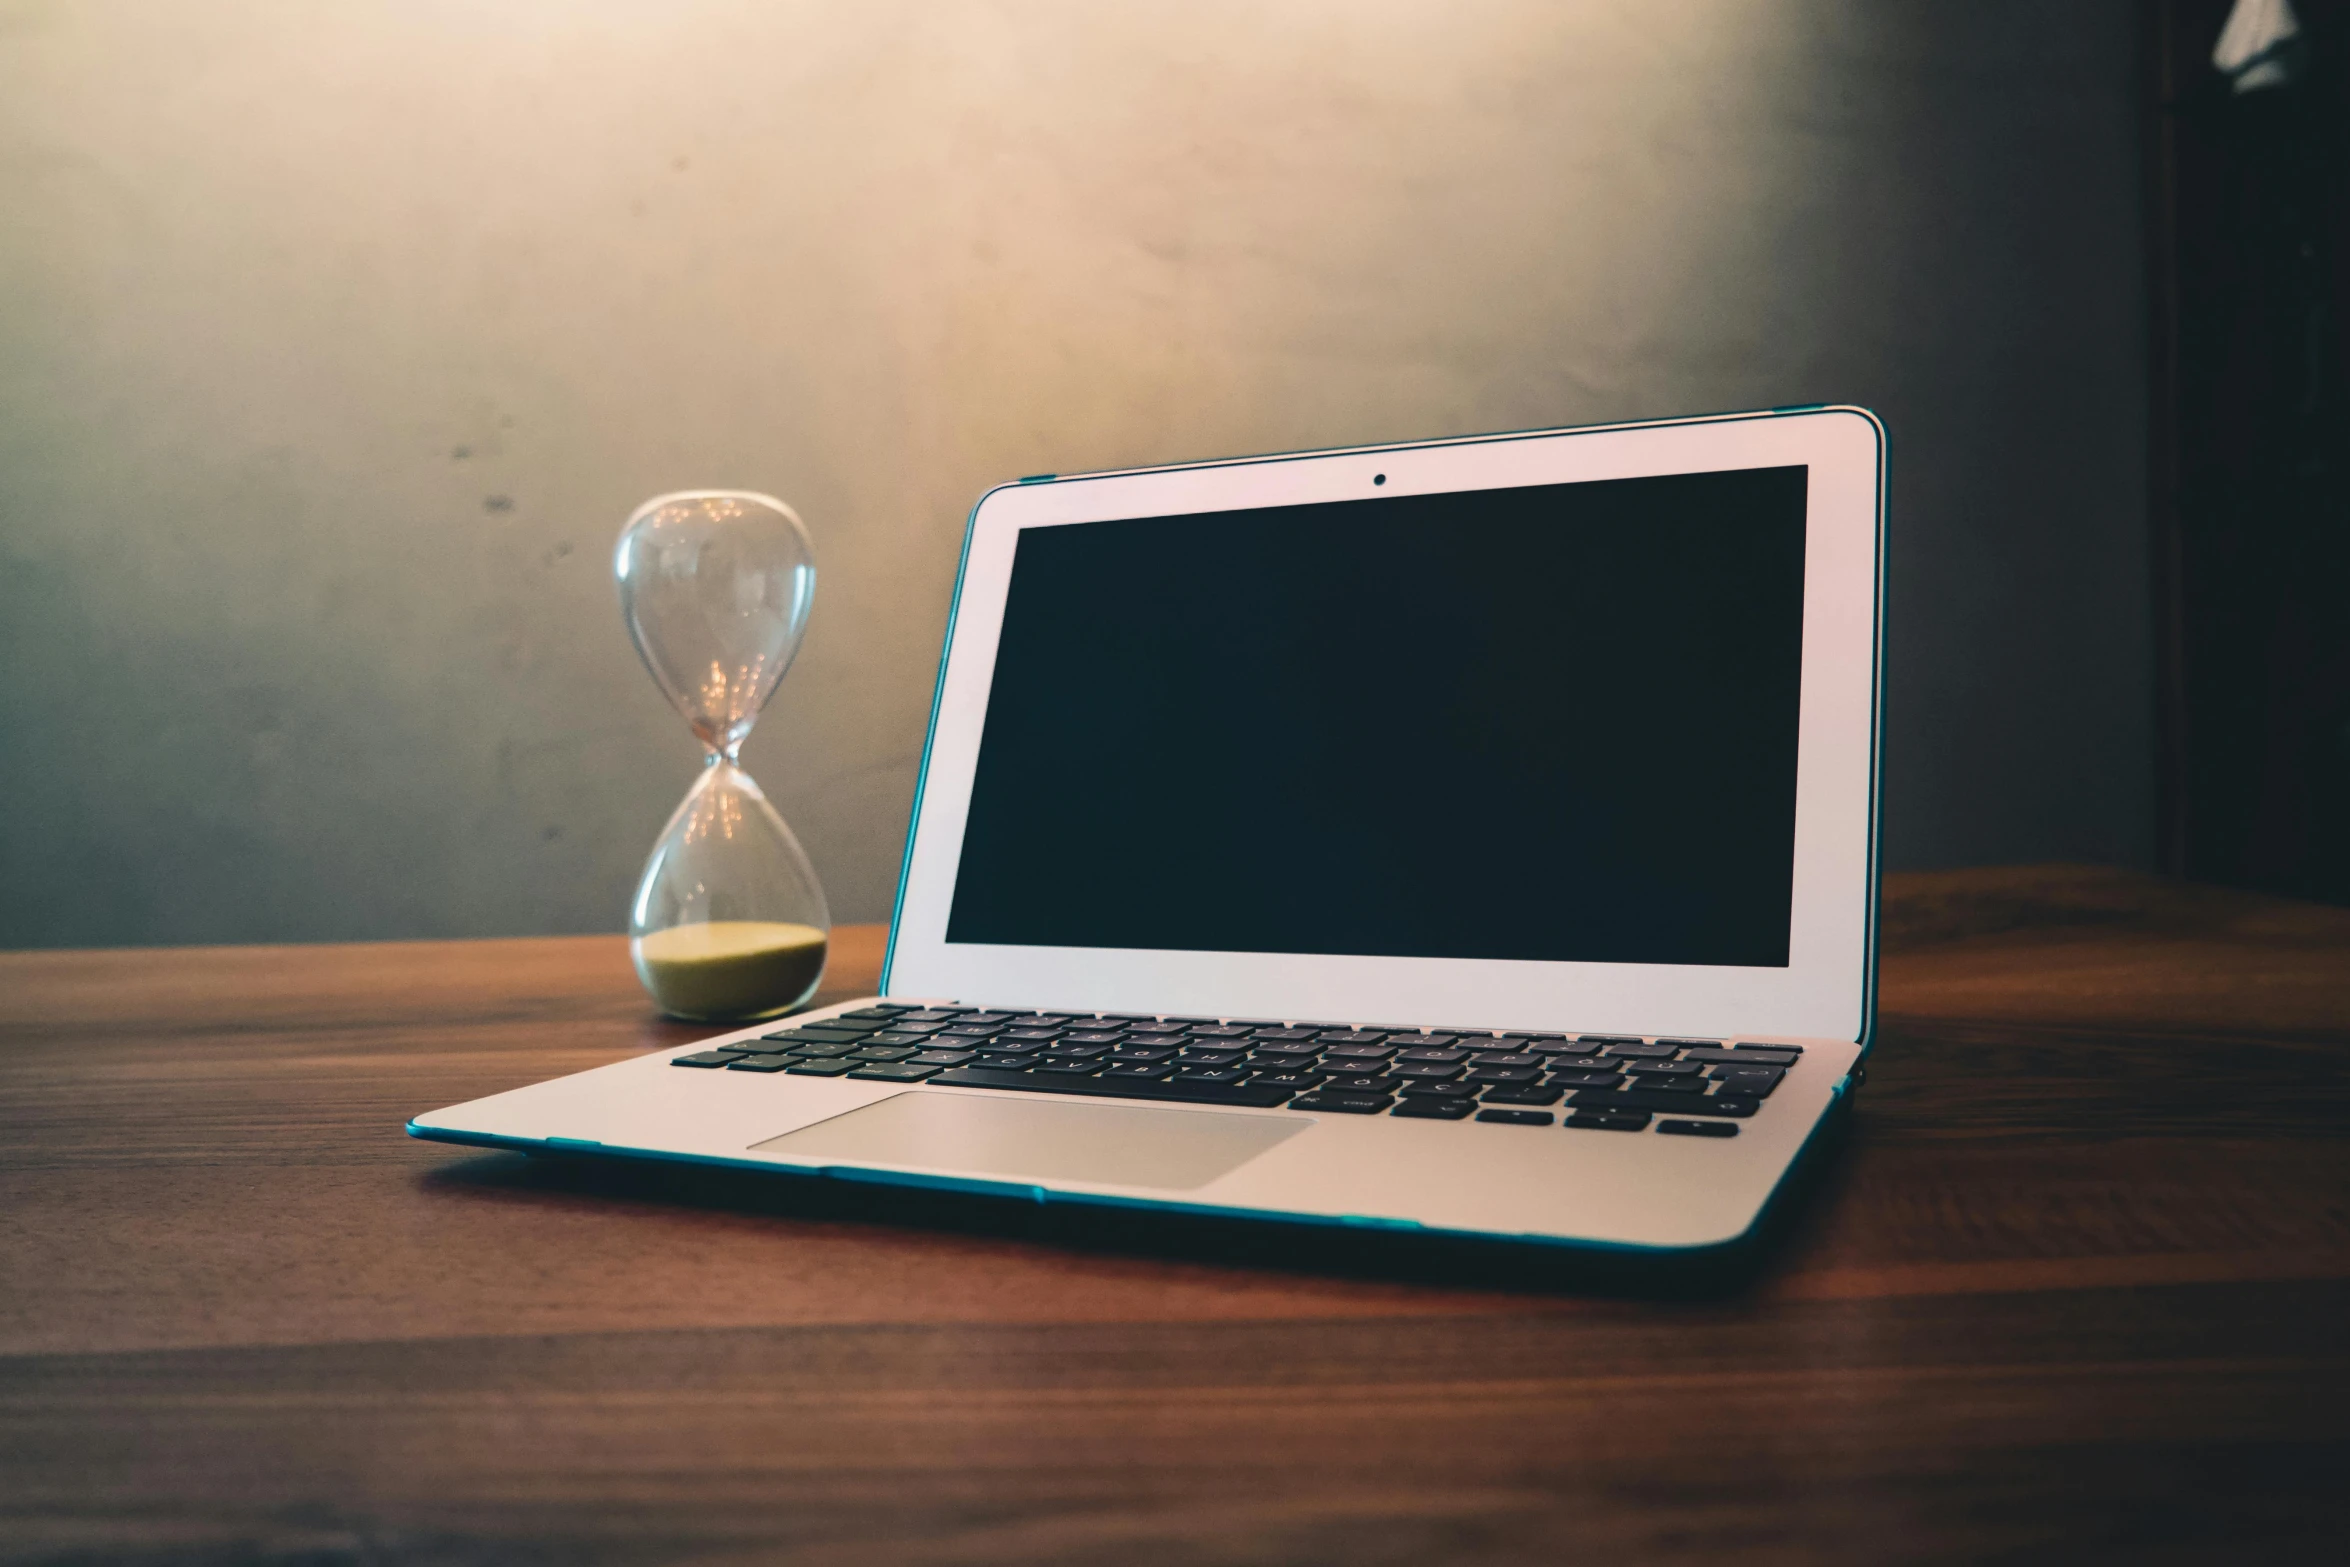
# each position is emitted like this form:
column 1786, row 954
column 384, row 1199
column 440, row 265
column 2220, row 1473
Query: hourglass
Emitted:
column 729, row 922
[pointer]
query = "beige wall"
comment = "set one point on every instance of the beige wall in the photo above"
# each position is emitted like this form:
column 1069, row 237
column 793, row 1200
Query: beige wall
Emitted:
column 336, row 339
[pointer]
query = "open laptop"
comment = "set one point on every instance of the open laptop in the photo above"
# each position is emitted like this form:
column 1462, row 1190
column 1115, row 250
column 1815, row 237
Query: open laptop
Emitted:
column 1474, row 836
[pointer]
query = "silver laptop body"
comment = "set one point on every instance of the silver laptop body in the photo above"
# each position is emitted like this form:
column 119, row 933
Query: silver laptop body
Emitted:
column 1471, row 836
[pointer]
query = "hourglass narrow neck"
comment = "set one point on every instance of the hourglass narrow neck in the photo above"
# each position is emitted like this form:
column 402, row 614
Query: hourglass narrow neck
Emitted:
column 728, row 756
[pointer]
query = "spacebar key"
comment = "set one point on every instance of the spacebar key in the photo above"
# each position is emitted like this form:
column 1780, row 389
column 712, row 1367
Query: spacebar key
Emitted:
column 1248, row 1094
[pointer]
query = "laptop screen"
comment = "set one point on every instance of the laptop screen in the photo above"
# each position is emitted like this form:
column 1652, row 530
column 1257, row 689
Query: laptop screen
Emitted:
column 1553, row 723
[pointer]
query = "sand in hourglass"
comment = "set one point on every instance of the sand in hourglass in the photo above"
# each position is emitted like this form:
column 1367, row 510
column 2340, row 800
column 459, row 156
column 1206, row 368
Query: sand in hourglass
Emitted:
column 721, row 969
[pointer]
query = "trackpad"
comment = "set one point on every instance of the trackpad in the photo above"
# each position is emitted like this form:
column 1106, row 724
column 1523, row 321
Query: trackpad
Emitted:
column 1108, row 1145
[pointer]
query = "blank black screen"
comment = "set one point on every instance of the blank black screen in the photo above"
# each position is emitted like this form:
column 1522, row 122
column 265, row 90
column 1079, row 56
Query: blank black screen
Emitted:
column 1551, row 723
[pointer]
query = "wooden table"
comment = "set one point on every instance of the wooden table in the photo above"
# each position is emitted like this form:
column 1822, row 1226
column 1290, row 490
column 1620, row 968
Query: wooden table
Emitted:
column 2077, row 1287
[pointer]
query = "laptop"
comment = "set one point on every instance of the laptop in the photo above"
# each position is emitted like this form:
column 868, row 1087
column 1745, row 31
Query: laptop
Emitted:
column 1472, row 836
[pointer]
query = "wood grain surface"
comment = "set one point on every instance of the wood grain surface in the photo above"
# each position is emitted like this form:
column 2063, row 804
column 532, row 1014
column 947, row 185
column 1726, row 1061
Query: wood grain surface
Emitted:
column 2076, row 1287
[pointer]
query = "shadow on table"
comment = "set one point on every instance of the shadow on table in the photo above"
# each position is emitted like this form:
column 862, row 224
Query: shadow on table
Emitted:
column 1391, row 1255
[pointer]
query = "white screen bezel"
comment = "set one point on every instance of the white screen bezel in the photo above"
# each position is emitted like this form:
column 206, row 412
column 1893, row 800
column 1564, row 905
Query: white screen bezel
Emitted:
column 1823, row 992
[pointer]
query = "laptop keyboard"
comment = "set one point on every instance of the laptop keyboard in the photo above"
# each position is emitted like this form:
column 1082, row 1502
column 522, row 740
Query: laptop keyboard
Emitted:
column 1593, row 1082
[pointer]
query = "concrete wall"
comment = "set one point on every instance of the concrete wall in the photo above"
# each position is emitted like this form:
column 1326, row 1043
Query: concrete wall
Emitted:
column 337, row 337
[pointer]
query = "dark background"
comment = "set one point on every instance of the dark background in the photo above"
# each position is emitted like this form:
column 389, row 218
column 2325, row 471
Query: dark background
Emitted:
column 1547, row 723
column 2249, row 217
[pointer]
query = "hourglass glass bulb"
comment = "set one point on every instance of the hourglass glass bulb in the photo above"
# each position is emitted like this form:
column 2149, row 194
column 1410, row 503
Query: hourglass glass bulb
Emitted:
column 728, row 920
column 716, row 586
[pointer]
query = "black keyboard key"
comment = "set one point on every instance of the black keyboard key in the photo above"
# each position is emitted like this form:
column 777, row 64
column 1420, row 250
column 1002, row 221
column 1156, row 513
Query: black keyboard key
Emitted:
column 1285, row 1053
column 1424, row 1041
column 1193, row 1055
column 1141, row 1053
column 1505, row 1074
column 1528, row 1094
column 1608, row 1121
column 1698, row 1128
column 1668, row 1104
column 1561, row 1047
column 989, row 1017
column 1435, row 1057
column 752, row 1047
column 706, row 1058
column 1187, row 1073
column 1755, row 1082
column 880, row 1053
column 1505, row 1058
column 1059, row 1067
column 820, row 1068
column 817, row 1052
column 1347, row 1036
column 1433, row 1108
column 1149, row 1071
column 1093, row 1036
column 1064, row 1051
column 1757, row 1058
column 1438, row 1071
column 1360, row 1083
column 1218, row 1031
column 1286, row 1078
column 1515, row 1117
column 970, row 1031
column 1369, row 1054
column 1586, row 1079
column 1692, row 1044
column 1344, row 1104
column 884, row 1012
column 1668, row 1069
column 891, row 1036
column 938, row 1015
column 1154, row 1028
column 1791, row 1050
column 942, row 1058
column 820, row 1036
column 916, row 1026
column 1007, row 1061
column 1260, row 1096
column 1638, row 1052
column 1286, row 1036
column 1437, row 1090
column 893, row 1071
column 1028, row 1034
column 1608, row 1039
column 1771, row 1054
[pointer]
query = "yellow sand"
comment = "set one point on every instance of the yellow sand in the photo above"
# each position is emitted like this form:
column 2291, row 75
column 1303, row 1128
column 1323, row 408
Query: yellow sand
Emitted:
column 727, row 969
